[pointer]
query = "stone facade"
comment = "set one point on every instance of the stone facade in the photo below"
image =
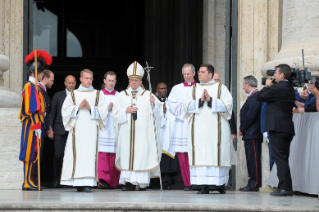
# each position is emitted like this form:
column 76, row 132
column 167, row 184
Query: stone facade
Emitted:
column 214, row 35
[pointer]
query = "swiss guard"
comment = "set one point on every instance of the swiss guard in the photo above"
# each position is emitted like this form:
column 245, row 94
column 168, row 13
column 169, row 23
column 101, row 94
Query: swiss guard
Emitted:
column 32, row 114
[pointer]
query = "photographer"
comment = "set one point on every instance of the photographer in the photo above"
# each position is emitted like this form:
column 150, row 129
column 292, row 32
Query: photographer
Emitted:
column 280, row 100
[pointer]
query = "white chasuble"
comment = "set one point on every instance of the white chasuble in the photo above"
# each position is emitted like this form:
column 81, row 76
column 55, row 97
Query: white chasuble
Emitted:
column 176, row 125
column 107, row 136
column 79, row 162
column 137, row 152
column 209, row 137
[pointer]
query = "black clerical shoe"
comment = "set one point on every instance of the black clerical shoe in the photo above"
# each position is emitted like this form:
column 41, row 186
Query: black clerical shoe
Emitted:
column 103, row 185
column 249, row 188
column 56, row 184
column 129, row 187
column 282, row 192
column 221, row 189
column 203, row 191
column 167, row 187
column 84, row 189
column 188, row 188
column 31, row 189
column 141, row 189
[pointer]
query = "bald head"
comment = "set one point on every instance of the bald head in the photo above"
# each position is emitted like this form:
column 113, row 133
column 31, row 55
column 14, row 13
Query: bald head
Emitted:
column 161, row 89
column 70, row 82
column 217, row 77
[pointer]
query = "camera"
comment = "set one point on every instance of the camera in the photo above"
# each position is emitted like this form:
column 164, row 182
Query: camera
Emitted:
column 298, row 77
column 270, row 73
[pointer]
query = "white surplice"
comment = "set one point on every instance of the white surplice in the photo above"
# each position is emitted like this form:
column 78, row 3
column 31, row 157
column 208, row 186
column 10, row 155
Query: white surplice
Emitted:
column 137, row 152
column 107, row 136
column 176, row 125
column 79, row 162
column 209, row 138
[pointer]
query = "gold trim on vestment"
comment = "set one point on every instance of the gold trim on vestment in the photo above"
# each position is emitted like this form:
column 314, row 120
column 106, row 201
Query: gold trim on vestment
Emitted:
column 132, row 135
column 74, row 152
column 193, row 127
column 219, row 128
column 134, row 68
column 96, row 152
column 132, row 143
column 168, row 154
column 97, row 97
column 73, row 97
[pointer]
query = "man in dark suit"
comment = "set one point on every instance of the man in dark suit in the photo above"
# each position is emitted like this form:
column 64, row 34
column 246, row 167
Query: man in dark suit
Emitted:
column 280, row 100
column 46, row 80
column 250, row 130
column 60, row 135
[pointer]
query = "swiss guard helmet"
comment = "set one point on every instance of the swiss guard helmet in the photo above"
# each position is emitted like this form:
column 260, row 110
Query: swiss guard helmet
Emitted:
column 44, row 61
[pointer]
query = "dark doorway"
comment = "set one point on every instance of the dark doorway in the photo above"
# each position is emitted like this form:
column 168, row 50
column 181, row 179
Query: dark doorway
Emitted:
column 110, row 35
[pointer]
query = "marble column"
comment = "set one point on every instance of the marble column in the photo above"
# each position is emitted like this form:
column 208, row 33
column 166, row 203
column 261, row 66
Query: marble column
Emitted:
column 300, row 30
column 214, row 35
column 11, row 45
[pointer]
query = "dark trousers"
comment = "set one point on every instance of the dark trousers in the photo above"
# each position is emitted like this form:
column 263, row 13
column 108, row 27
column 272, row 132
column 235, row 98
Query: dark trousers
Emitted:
column 280, row 144
column 253, row 154
column 59, row 147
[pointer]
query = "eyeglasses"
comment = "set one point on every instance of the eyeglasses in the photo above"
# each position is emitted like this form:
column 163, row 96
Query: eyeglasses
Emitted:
column 187, row 74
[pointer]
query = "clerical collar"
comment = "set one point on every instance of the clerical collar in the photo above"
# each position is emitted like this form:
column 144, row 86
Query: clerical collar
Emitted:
column 207, row 83
column 67, row 92
column 107, row 92
column 81, row 88
column 161, row 99
column 42, row 86
column 137, row 89
column 32, row 79
column 188, row 84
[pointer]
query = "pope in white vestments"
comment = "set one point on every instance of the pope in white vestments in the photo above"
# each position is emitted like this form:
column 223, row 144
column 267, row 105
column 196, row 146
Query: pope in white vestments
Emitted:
column 209, row 106
column 137, row 153
column 84, row 112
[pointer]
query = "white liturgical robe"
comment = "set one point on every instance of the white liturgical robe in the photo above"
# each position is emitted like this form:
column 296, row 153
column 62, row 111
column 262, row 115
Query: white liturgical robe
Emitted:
column 79, row 162
column 137, row 152
column 209, row 137
column 107, row 136
column 176, row 125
